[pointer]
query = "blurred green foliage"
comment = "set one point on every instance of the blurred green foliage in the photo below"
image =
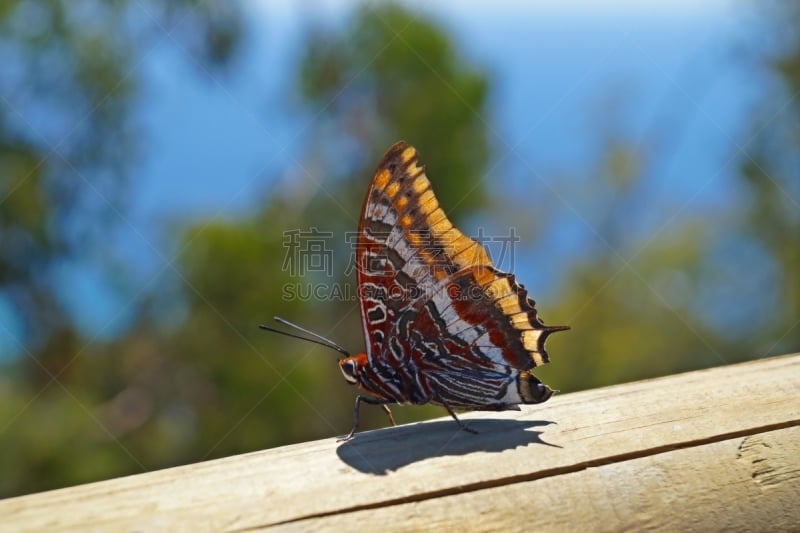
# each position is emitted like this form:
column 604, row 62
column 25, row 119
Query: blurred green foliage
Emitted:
column 282, row 390
column 211, row 384
column 70, row 82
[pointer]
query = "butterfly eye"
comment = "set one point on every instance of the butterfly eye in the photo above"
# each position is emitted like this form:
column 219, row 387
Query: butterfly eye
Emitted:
column 349, row 370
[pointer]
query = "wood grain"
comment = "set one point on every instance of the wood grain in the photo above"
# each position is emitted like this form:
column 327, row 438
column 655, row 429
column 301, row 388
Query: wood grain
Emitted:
column 704, row 450
column 749, row 483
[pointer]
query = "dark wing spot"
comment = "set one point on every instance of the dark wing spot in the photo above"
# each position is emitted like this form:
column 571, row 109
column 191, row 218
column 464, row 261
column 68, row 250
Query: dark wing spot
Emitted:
column 376, row 314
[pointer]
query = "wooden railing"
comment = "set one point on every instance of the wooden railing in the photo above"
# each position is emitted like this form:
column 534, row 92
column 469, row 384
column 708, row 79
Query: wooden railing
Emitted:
column 716, row 449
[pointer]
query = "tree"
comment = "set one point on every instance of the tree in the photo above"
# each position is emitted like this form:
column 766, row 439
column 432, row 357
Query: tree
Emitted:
column 388, row 75
column 213, row 384
column 711, row 288
column 68, row 136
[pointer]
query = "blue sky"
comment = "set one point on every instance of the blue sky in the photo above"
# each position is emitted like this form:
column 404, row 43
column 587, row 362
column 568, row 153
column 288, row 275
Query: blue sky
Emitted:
column 559, row 71
column 550, row 70
column 555, row 69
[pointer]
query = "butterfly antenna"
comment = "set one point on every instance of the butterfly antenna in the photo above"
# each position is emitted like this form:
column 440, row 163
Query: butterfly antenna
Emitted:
column 317, row 338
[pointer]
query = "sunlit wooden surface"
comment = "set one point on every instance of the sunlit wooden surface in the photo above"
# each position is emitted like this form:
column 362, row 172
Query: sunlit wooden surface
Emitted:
column 716, row 449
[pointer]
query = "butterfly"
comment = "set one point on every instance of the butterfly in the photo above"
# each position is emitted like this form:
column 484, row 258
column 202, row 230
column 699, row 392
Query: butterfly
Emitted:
column 441, row 324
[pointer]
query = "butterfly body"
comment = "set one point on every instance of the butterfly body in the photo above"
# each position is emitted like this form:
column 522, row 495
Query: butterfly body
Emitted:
column 441, row 324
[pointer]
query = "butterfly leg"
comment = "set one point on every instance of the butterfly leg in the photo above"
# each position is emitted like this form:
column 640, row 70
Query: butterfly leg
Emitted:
column 357, row 408
column 389, row 414
column 461, row 424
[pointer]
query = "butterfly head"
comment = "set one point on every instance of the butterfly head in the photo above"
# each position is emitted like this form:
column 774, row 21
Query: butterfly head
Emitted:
column 351, row 367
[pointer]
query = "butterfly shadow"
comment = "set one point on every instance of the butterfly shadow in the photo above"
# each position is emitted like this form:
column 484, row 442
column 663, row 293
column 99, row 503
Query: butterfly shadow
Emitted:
column 386, row 450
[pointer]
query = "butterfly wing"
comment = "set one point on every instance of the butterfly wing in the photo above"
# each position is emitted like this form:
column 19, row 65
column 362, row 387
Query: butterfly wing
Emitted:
column 396, row 260
column 488, row 336
column 441, row 323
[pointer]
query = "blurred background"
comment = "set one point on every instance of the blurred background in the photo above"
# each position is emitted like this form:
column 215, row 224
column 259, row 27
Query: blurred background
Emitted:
column 157, row 158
